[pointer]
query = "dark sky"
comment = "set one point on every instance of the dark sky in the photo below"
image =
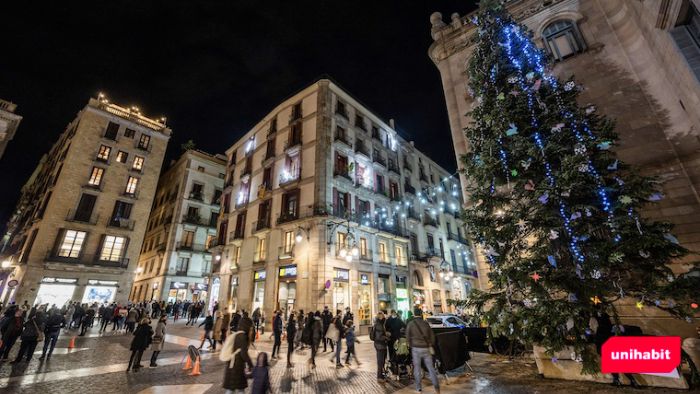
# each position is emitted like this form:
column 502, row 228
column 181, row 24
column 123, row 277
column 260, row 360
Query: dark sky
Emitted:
column 214, row 68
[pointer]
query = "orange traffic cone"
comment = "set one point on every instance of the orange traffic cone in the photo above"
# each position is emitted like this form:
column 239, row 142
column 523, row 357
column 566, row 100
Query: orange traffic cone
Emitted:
column 257, row 335
column 188, row 364
column 71, row 344
column 195, row 370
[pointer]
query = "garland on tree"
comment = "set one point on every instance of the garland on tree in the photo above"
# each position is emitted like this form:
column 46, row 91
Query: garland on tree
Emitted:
column 552, row 207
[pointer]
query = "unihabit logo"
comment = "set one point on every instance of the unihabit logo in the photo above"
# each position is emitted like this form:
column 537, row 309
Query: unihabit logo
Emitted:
column 641, row 354
column 634, row 354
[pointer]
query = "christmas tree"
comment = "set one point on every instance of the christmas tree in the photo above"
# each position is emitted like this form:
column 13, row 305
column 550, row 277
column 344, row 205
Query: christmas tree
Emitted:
column 555, row 212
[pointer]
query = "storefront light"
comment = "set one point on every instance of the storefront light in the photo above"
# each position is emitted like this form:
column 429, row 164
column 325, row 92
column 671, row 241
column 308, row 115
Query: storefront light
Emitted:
column 299, row 237
column 6, row 264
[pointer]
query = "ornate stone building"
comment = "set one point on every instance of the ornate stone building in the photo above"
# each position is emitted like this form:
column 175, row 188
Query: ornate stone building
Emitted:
column 81, row 217
column 639, row 63
column 9, row 121
column 326, row 204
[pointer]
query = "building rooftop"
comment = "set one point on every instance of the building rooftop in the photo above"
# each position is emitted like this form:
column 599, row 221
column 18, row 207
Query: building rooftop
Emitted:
column 132, row 113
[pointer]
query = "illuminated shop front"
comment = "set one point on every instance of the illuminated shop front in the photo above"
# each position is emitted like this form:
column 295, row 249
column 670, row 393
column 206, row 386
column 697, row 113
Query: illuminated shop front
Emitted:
column 259, row 289
column 287, row 289
column 341, row 289
column 364, row 307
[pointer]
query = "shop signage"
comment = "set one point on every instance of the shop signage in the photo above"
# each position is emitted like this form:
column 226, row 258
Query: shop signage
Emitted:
column 342, row 275
column 289, row 271
column 201, row 286
column 384, row 297
column 178, row 285
column 96, row 282
column 12, row 283
column 260, row 275
column 60, row 280
column 364, row 279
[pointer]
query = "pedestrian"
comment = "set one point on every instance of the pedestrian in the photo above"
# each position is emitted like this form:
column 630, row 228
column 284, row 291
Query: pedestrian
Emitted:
column 256, row 319
column 208, row 324
column 235, row 319
column 350, row 340
column 314, row 333
column 190, row 315
column 11, row 329
column 261, row 375
column 142, row 339
column 225, row 324
column 158, row 339
column 217, row 331
column 326, row 318
column 52, row 329
column 291, row 334
column 277, row 326
column 301, row 324
column 336, row 333
column 106, row 316
column 394, row 325
column 32, row 333
column 131, row 320
column 246, row 325
column 348, row 315
column 420, row 339
column 235, row 354
column 380, row 337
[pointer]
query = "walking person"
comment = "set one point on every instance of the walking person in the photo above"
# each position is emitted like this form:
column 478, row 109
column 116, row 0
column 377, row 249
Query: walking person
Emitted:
column 350, row 340
column 313, row 332
column 142, row 339
column 256, row 319
column 225, row 324
column 326, row 318
column 208, row 324
column 32, row 333
column 420, row 339
column 336, row 332
column 277, row 326
column 291, row 334
column 261, row 375
column 11, row 329
column 236, row 357
column 217, row 332
column 106, row 316
column 301, row 324
column 52, row 329
column 380, row 338
column 158, row 339
column 131, row 319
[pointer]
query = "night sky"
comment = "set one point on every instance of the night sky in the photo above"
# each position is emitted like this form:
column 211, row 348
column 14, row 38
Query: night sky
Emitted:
column 214, row 68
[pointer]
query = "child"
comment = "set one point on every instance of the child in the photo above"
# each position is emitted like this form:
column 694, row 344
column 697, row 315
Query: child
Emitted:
column 350, row 340
column 261, row 375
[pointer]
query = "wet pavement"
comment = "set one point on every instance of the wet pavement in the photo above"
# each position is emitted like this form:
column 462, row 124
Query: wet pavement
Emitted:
column 97, row 364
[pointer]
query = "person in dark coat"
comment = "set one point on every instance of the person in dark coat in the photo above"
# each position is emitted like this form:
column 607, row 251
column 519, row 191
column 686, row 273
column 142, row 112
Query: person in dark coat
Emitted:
column 87, row 321
column 246, row 325
column 277, row 327
column 261, row 375
column 348, row 316
column 30, row 336
column 380, row 337
column 235, row 319
column 208, row 324
column 11, row 329
column 315, row 327
column 52, row 329
column 394, row 325
column 291, row 333
column 142, row 340
column 234, row 373
column 326, row 317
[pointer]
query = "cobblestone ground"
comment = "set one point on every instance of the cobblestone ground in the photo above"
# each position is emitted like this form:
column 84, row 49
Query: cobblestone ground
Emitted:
column 98, row 363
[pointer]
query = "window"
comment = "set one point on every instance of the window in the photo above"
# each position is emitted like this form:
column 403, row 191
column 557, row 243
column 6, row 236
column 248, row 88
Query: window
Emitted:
column 103, row 154
column 267, row 178
column 193, row 212
column 138, row 163
column 563, row 39
column 200, row 169
column 360, row 122
column 129, row 133
column 210, row 241
column 213, row 218
column 400, row 255
column 120, row 213
column 85, row 207
column 112, row 248
column 96, row 176
column 144, row 142
column 131, row 184
column 72, row 243
column 240, row 224
column 431, row 243
column 288, row 242
column 340, row 109
column 341, row 165
column 363, row 247
column 261, row 250
column 264, row 209
column 383, row 286
column 295, row 135
column 197, row 191
column 290, row 206
column 453, row 257
column 340, row 134
column 342, row 238
column 111, row 132
column 122, row 156
column 442, row 248
column 417, row 279
column 273, row 125
column 380, row 184
column 216, row 200
column 687, row 37
column 383, row 256
column 187, row 239
column 393, row 190
column 296, row 111
column 182, row 265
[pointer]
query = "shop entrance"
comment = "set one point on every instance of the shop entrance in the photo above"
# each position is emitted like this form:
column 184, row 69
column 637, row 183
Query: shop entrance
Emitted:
column 364, row 309
column 287, row 289
column 259, row 289
column 56, row 291
column 214, row 296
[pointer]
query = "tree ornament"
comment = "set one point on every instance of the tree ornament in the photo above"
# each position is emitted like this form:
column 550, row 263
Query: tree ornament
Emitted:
column 595, row 300
column 530, row 75
column 512, row 130
column 626, row 200
column 501, row 96
column 525, row 164
column 640, row 305
column 530, row 186
column 616, row 257
column 656, row 197
column 536, row 85
column 512, row 79
column 514, row 172
column 613, row 166
column 572, row 297
column 590, row 109
column 553, row 234
column 569, row 324
column 580, row 149
column 521, row 224
column 575, row 215
column 535, row 276
column 596, row 274
column 644, row 254
column 694, row 305
column 605, row 145
column 557, row 128
column 544, row 198
column 671, row 238
column 552, row 261
column 583, row 167
column 569, row 86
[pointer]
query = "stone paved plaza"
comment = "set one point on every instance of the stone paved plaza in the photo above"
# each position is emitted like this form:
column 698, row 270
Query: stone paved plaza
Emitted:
column 98, row 363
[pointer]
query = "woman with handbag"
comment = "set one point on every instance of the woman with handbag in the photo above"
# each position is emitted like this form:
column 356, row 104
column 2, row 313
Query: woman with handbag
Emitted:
column 158, row 339
column 32, row 334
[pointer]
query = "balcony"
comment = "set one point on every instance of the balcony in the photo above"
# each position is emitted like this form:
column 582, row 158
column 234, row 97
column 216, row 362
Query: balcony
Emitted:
column 82, row 217
column 286, row 177
column 88, row 260
column 285, row 252
column 144, row 148
column 181, row 272
column 191, row 247
column 379, row 160
column 423, row 177
column 393, row 167
column 362, row 149
column 340, row 110
column 237, row 234
column 262, row 224
column 247, row 170
column 367, row 256
column 407, row 166
column 198, row 220
column 306, row 212
column 198, row 196
column 452, row 236
column 430, row 221
column 376, row 135
column 127, row 224
column 294, row 142
column 342, row 139
column 342, row 174
column 409, row 189
column 341, row 212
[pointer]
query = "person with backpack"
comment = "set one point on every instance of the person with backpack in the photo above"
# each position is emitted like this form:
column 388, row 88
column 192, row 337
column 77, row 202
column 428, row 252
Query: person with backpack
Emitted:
column 380, row 337
column 291, row 335
column 420, row 339
column 234, row 353
column 350, row 340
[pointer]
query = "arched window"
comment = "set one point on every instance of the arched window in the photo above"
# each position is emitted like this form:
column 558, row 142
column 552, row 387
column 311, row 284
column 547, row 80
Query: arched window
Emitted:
column 417, row 279
column 563, row 39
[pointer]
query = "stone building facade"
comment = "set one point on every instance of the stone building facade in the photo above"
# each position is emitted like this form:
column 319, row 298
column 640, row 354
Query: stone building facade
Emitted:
column 77, row 229
column 639, row 63
column 9, row 121
column 325, row 204
column 175, row 263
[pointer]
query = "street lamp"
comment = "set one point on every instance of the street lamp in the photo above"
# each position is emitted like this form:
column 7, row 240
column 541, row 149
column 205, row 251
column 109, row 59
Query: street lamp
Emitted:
column 7, row 263
column 300, row 234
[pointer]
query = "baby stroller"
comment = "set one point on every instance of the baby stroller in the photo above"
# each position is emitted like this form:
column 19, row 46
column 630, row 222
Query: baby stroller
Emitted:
column 401, row 366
